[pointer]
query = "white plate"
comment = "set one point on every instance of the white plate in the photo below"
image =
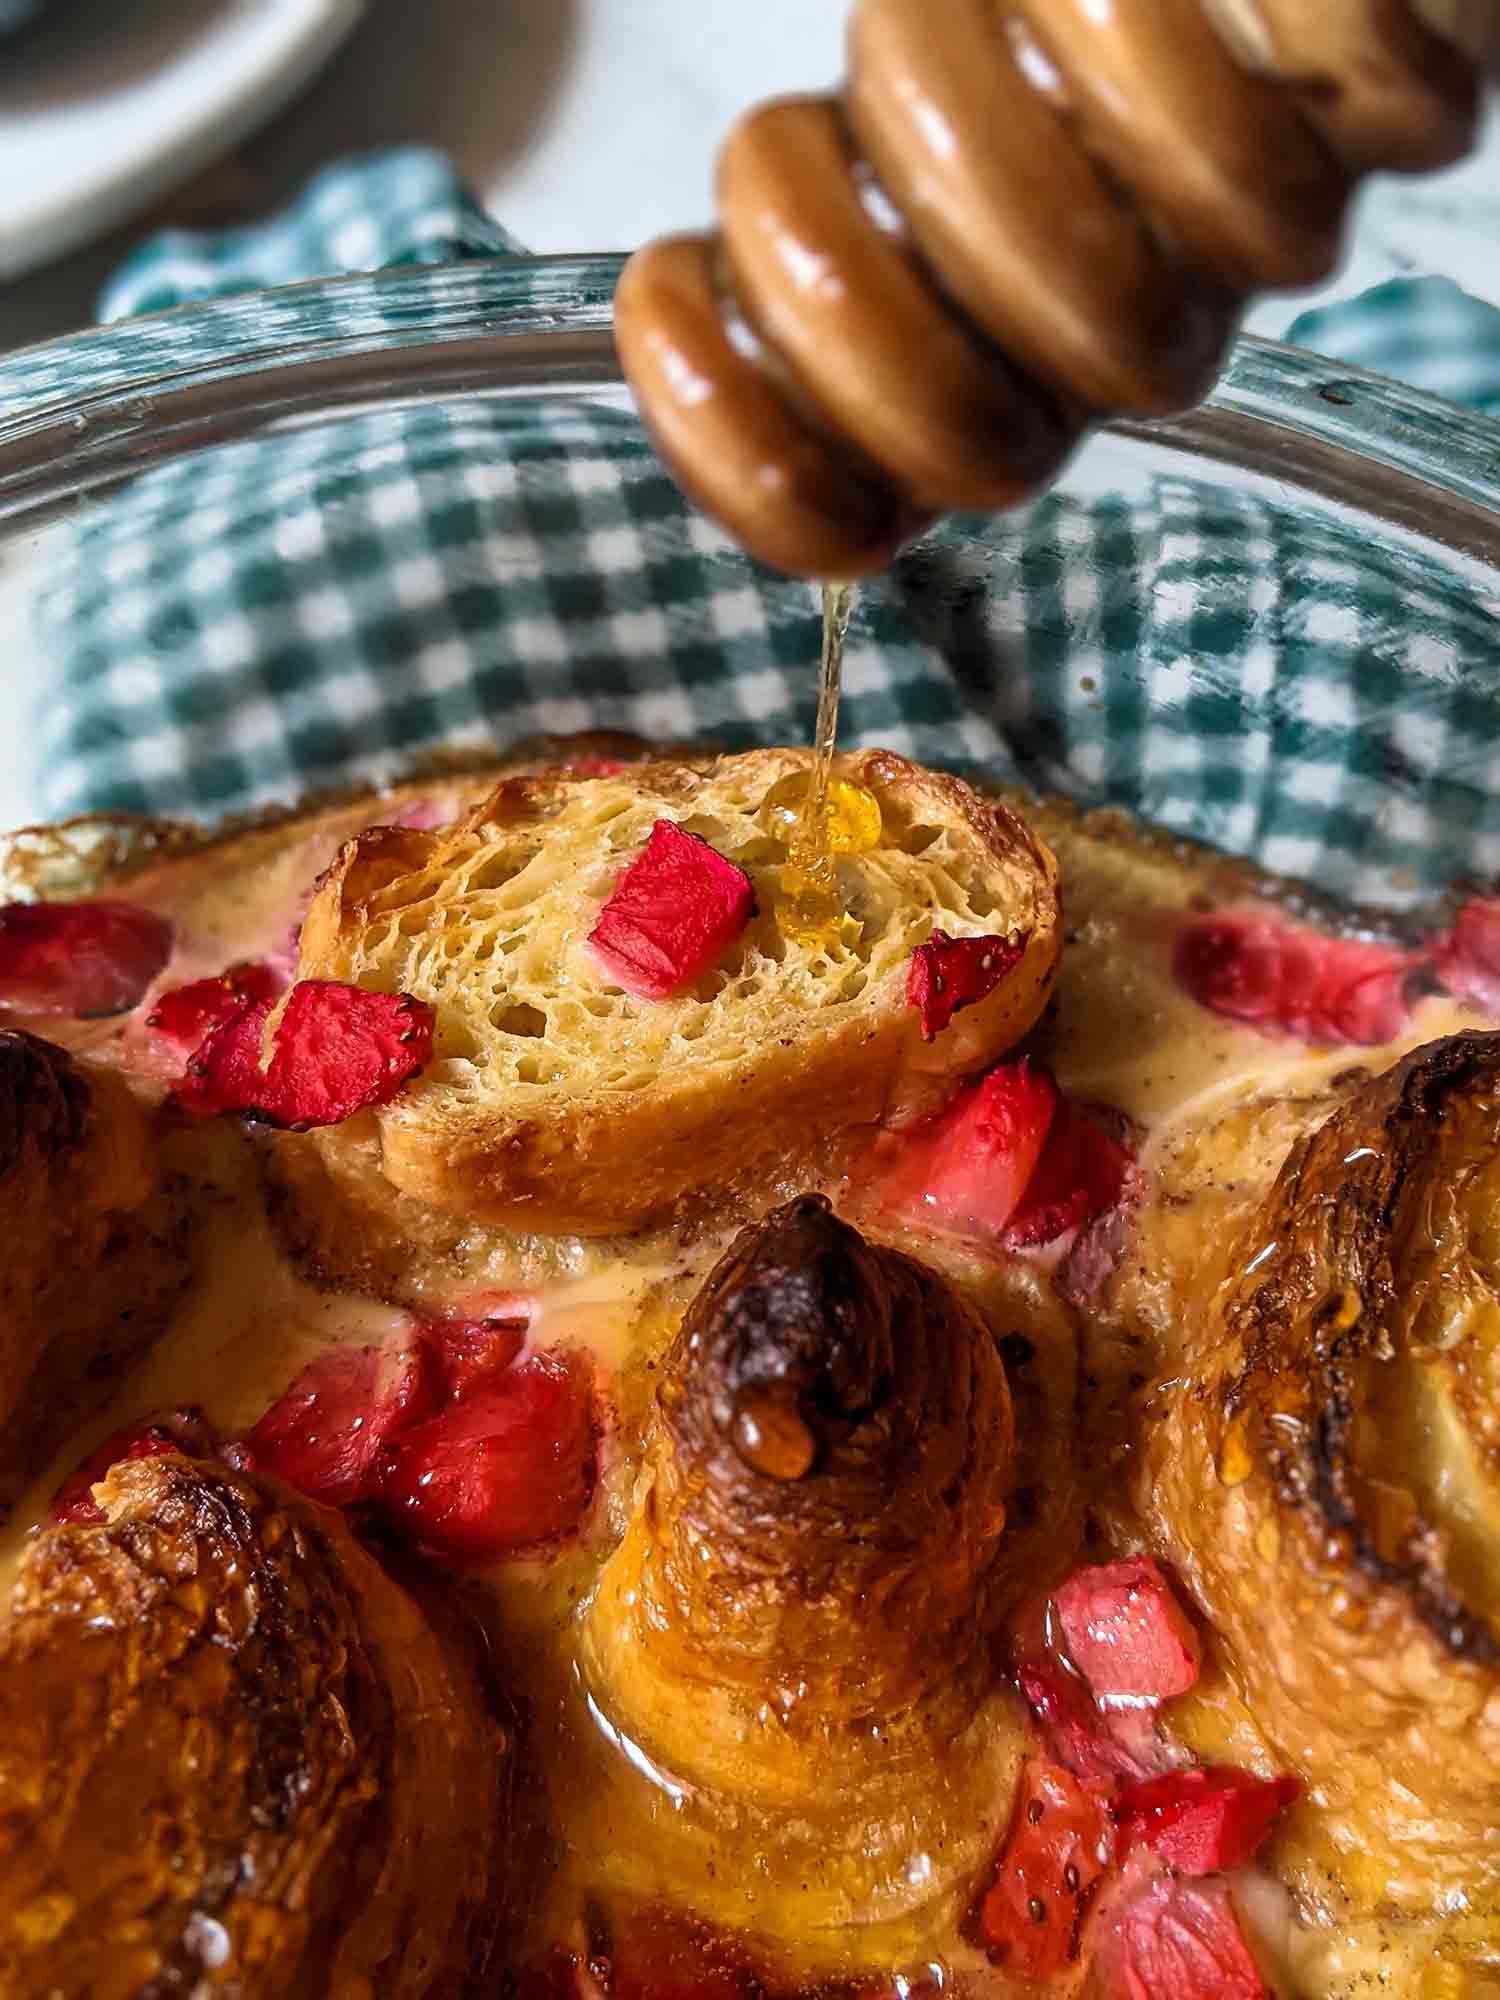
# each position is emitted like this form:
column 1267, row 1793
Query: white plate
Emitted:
column 96, row 126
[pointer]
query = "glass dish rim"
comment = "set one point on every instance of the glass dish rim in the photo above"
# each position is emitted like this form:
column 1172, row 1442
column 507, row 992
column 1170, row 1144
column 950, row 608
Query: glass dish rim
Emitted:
column 81, row 413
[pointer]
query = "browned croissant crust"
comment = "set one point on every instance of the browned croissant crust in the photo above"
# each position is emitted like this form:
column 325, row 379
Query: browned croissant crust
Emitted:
column 234, row 1757
column 95, row 1255
column 1328, row 1483
column 794, row 1619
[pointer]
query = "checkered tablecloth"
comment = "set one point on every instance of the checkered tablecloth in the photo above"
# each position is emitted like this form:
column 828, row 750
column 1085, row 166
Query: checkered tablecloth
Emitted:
column 329, row 602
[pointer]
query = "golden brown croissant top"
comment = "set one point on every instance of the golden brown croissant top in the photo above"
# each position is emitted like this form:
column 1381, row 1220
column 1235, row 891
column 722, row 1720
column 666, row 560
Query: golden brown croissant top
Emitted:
column 95, row 1243
column 1328, row 1482
column 828, row 1474
column 1013, row 221
column 793, row 1628
column 234, row 1755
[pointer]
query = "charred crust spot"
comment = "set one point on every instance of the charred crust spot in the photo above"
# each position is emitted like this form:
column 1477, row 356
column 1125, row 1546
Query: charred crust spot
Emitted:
column 45, row 1102
column 1329, row 1305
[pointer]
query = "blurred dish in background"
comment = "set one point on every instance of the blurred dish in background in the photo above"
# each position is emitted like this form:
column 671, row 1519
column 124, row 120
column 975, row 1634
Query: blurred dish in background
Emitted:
column 104, row 111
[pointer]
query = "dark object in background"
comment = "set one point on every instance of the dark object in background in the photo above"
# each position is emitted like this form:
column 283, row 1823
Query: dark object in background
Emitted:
column 16, row 13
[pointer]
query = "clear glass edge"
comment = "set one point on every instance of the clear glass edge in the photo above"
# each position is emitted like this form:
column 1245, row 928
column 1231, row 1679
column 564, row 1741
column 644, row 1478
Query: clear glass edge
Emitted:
column 83, row 411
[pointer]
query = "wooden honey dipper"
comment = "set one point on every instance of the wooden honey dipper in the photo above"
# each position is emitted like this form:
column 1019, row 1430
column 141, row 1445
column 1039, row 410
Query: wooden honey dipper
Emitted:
column 1016, row 220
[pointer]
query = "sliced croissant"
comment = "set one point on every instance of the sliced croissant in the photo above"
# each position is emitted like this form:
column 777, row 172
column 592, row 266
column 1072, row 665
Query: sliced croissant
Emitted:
column 559, row 1102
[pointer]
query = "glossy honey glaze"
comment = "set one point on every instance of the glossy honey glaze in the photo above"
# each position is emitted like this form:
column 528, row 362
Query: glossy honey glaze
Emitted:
column 610, row 1828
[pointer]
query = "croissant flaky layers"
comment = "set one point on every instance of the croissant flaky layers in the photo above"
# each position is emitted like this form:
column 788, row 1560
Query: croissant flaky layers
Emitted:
column 1328, row 1484
column 794, row 1621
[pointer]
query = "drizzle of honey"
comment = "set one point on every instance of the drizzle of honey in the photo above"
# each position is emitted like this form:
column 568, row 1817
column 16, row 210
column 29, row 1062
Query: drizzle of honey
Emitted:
column 824, row 816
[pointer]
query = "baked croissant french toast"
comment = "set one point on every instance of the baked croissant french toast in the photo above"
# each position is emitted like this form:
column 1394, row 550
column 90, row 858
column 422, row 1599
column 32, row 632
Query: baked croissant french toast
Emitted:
column 967, row 1443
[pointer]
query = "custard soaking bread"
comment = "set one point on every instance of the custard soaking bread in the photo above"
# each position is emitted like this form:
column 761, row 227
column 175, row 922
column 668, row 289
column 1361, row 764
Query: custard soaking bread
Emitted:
column 557, row 1099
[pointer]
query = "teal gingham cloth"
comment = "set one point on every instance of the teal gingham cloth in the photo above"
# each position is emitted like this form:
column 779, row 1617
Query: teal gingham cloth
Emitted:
column 327, row 604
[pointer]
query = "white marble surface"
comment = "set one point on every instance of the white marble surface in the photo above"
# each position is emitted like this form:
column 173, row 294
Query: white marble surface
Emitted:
column 590, row 125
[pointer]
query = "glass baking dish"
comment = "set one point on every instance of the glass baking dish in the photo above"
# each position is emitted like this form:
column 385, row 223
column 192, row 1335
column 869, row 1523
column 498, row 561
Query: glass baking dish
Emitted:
column 1288, row 655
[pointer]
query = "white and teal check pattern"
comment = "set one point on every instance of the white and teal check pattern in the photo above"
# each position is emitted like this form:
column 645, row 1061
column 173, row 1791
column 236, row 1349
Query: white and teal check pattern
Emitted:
column 328, row 603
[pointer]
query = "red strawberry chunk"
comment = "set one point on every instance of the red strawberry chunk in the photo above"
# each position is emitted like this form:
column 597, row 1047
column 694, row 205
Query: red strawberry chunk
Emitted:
column 152, row 1437
column 948, row 974
column 338, row 1050
column 1466, row 957
column 1203, row 1821
column 83, row 959
column 673, row 913
column 1117, row 1746
column 471, row 1353
column 1179, row 1940
column 1060, row 1843
column 182, row 1017
column 595, row 767
column 1289, row 979
column 506, row 1468
column 327, row 1433
column 1082, row 1173
column 1126, row 1633
column 965, row 1169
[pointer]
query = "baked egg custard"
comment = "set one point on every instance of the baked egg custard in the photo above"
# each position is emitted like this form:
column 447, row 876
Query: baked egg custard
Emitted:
column 559, row 1439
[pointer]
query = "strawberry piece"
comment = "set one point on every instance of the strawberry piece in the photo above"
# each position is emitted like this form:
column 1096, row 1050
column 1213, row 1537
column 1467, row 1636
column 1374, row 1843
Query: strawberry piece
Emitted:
column 325, row 1436
column 1126, row 1633
column 1059, row 1845
column 1203, row 1821
column 1082, row 1172
column 83, row 959
column 1466, row 957
column 1178, row 1940
column 1116, row 1746
column 660, row 1955
column 965, row 1169
column 595, row 767
column 506, row 1468
column 153, row 1437
column 948, row 974
column 1289, row 979
column 673, row 912
column 338, row 1050
column 471, row 1353
column 183, row 1016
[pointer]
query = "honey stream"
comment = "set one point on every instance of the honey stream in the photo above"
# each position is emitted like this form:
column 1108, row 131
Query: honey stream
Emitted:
column 811, row 912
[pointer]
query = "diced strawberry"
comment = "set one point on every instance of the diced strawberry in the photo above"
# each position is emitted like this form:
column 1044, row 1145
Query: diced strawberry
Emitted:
column 660, row 1955
column 1081, row 1173
column 1466, row 957
column 948, row 974
column 325, row 1436
column 153, row 1437
column 1288, row 979
column 1126, row 1633
column 422, row 815
column 595, row 767
column 472, row 1352
column 338, row 1050
column 1177, row 1940
column 506, row 1468
column 83, row 959
column 965, row 1169
column 1203, row 1821
column 555, row 1976
column 1060, row 1843
column 1117, row 1746
column 673, row 913
column 182, row 1017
